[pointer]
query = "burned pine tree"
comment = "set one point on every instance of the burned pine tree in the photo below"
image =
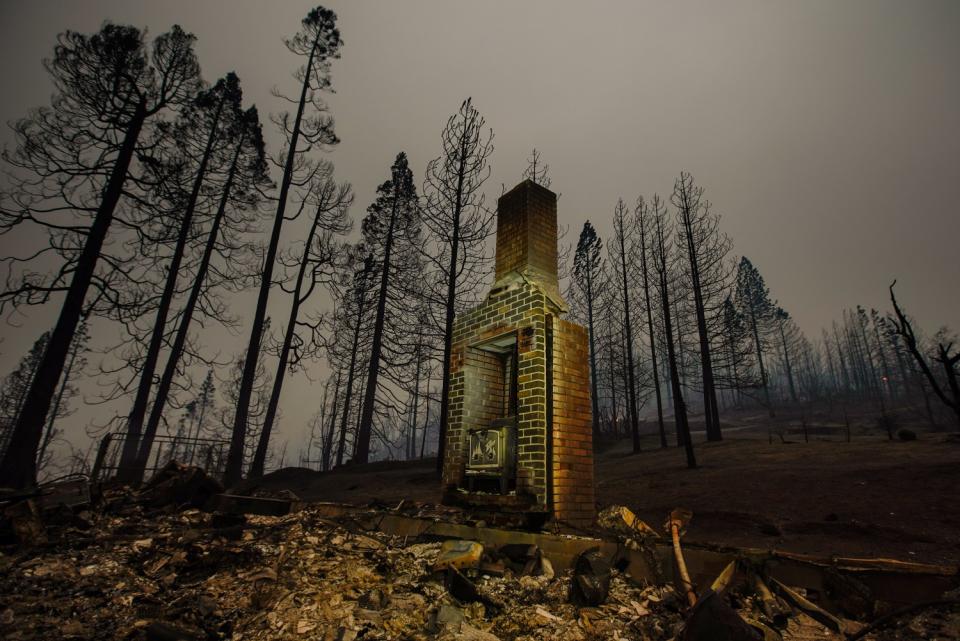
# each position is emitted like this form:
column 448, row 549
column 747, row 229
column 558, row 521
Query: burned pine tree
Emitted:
column 706, row 252
column 587, row 267
column 319, row 42
column 664, row 268
column 329, row 202
column 642, row 222
column 458, row 225
column 204, row 125
column 787, row 331
column 244, row 176
column 391, row 225
column 754, row 304
column 349, row 331
column 622, row 241
column 109, row 90
column 946, row 388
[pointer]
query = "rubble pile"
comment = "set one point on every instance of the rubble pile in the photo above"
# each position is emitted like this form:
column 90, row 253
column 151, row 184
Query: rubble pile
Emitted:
column 195, row 575
column 140, row 568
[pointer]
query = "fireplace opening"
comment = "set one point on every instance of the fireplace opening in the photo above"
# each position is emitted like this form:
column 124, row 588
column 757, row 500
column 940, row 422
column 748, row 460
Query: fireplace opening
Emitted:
column 491, row 462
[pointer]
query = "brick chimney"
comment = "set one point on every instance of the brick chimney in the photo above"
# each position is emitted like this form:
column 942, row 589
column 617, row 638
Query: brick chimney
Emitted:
column 527, row 234
column 519, row 428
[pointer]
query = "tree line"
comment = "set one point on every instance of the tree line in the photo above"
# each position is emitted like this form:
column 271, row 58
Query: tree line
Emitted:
column 680, row 327
column 157, row 201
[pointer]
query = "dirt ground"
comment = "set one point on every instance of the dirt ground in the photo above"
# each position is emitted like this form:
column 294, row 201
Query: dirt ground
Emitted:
column 870, row 498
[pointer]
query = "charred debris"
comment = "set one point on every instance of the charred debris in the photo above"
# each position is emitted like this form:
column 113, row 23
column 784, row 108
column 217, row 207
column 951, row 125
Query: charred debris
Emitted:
column 181, row 559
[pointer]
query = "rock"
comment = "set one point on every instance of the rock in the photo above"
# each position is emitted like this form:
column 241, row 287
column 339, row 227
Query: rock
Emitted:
column 906, row 435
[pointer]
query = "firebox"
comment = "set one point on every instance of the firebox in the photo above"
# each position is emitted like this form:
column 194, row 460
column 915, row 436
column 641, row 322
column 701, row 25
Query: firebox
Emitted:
column 519, row 430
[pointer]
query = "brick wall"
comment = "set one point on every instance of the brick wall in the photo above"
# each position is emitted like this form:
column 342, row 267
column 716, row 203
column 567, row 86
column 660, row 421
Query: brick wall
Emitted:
column 474, row 400
column 573, row 496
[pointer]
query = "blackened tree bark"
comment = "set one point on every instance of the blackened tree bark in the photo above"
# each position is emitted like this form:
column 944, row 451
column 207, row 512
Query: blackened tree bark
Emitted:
column 662, row 266
column 706, row 251
column 459, row 224
column 641, row 212
column 394, row 197
column 587, row 266
column 331, row 202
column 319, row 41
column 948, row 361
column 621, row 235
column 106, row 84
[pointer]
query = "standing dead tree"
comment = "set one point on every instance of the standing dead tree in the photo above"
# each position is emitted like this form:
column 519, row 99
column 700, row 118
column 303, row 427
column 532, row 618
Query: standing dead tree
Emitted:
column 330, row 203
column 664, row 268
column 587, row 269
column 706, row 250
column 200, row 124
column 458, row 226
column 239, row 195
column 77, row 153
column 391, row 224
column 622, row 240
column 947, row 390
column 319, row 42
column 642, row 222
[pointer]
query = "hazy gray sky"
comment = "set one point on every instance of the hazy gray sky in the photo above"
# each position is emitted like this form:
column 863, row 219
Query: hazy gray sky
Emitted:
column 826, row 133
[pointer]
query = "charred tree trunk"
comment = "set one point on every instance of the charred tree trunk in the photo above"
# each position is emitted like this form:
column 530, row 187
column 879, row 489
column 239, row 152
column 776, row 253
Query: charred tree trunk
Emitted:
column 128, row 470
column 365, row 427
column 328, row 442
column 18, row 468
column 711, row 412
column 628, row 328
column 234, row 470
column 654, row 369
column 183, row 330
column 450, row 312
column 260, row 456
column 679, row 408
